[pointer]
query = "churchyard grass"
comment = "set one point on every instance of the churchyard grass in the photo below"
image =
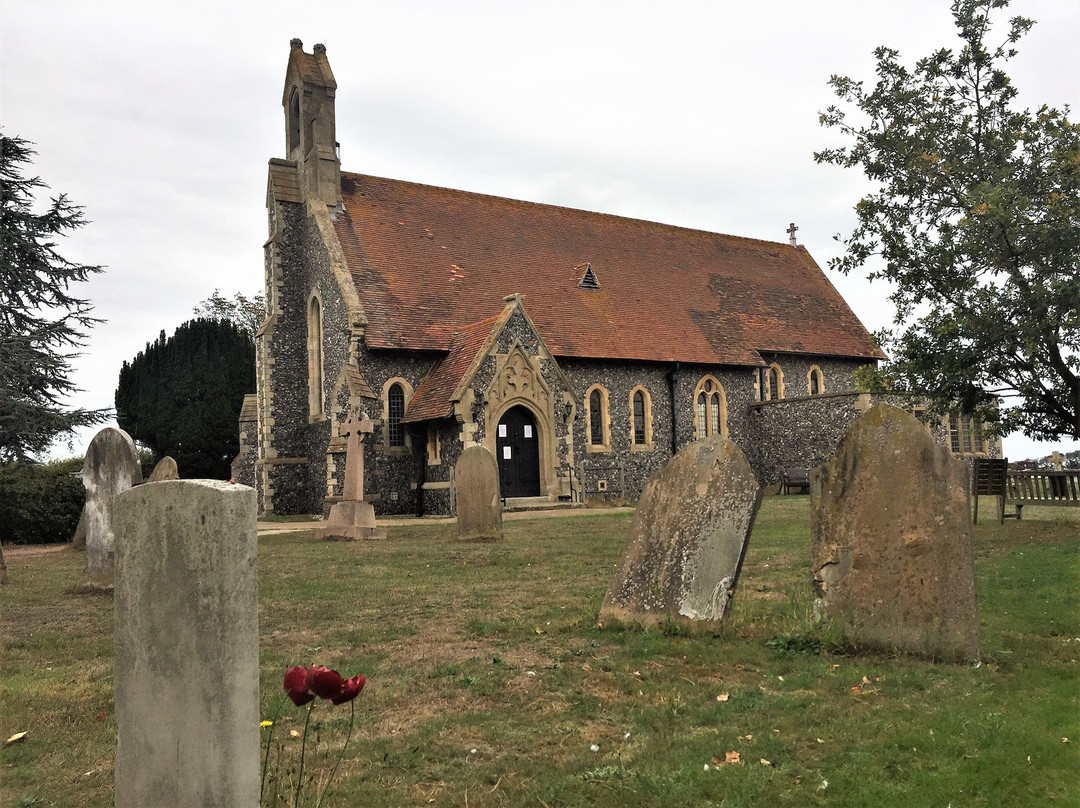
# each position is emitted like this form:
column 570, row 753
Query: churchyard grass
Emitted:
column 491, row 684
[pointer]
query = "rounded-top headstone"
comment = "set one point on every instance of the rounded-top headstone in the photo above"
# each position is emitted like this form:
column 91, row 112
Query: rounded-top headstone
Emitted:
column 164, row 470
column 891, row 546
column 688, row 538
column 479, row 507
column 111, row 465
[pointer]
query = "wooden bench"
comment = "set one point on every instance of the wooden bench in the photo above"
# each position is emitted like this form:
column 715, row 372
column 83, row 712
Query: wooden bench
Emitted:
column 989, row 480
column 1053, row 488
column 796, row 478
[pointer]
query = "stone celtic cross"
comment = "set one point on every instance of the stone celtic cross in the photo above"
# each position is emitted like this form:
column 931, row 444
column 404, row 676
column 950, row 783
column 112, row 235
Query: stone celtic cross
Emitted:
column 356, row 429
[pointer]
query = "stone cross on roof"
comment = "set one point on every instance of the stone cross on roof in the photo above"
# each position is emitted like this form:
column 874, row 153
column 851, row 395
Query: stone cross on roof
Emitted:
column 356, row 429
column 791, row 234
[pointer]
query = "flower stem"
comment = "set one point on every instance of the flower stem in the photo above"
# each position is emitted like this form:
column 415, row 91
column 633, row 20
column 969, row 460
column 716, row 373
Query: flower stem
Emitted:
column 303, row 747
column 269, row 738
column 341, row 754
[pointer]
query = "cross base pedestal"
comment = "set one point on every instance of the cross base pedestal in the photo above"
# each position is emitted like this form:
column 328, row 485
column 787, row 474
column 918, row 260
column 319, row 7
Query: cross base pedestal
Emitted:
column 351, row 520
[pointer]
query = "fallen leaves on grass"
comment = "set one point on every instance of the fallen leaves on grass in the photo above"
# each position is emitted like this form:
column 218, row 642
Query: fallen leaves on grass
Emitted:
column 18, row 736
column 731, row 758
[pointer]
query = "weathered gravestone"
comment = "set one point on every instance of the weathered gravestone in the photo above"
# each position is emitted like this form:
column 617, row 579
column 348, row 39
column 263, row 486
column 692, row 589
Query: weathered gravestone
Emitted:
column 78, row 541
column 688, row 538
column 479, row 508
column 186, row 646
column 164, row 470
column 352, row 518
column 891, row 544
column 111, row 465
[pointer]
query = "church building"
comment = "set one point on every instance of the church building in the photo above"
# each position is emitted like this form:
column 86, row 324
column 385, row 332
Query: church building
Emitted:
column 582, row 349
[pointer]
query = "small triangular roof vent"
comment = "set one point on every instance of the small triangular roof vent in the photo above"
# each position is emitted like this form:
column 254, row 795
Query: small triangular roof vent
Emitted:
column 589, row 279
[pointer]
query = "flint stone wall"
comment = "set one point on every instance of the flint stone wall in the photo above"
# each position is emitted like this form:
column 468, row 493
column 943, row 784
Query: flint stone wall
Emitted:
column 688, row 538
column 891, row 544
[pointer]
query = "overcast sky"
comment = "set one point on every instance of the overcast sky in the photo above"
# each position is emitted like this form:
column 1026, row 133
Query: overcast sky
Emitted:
column 159, row 120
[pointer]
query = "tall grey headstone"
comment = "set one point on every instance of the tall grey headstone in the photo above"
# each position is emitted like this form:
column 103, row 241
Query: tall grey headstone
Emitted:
column 688, row 538
column 186, row 646
column 111, row 465
column 891, row 544
column 479, row 508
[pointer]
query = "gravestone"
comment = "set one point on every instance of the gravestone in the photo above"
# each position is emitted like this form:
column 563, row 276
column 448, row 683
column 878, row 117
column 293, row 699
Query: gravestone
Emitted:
column 186, row 646
column 78, row 541
column 111, row 465
column 352, row 518
column 164, row 470
column 891, row 546
column 479, row 508
column 687, row 539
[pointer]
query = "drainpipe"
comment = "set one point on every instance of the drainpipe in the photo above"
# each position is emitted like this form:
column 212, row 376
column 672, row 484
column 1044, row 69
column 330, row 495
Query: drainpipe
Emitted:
column 421, row 473
column 673, row 379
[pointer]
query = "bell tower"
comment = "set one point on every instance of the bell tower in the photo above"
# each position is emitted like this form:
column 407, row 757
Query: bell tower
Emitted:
column 310, row 128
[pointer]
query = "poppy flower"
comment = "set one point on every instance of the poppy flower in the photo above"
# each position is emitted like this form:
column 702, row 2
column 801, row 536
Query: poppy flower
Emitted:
column 350, row 689
column 296, row 685
column 324, row 682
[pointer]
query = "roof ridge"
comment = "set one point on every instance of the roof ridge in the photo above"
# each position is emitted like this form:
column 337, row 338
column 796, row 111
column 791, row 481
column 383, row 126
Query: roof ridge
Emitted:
column 600, row 214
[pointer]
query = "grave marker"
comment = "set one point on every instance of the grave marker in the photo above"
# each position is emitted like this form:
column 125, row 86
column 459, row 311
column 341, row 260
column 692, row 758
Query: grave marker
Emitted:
column 479, row 508
column 893, row 560
column 352, row 518
column 164, row 470
column 186, row 646
column 111, row 465
column 688, row 538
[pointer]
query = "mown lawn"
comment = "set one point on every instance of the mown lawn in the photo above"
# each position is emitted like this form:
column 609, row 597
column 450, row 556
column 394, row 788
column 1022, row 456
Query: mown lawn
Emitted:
column 490, row 682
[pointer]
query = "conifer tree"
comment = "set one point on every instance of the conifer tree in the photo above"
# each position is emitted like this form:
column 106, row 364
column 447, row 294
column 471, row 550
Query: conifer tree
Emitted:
column 41, row 321
column 181, row 396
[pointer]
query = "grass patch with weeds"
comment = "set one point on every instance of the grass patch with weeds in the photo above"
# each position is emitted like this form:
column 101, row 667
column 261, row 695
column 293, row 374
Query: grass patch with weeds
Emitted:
column 490, row 682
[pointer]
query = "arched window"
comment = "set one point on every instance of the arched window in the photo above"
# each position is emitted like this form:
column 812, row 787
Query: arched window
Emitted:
column 710, row 408
column 774, row 382
column 395, row 411
column 294, row 122
column 639, row 417
column 598, row 420
column 641, row 428
column 315, row 357
column 815, row 381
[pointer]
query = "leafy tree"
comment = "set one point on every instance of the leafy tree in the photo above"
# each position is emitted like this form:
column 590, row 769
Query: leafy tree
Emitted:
column 40, row 321
column 975, row 217
column 247, row 313
column 181, row 396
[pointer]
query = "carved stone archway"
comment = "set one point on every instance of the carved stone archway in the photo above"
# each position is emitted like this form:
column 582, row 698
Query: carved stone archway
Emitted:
column 519, row 382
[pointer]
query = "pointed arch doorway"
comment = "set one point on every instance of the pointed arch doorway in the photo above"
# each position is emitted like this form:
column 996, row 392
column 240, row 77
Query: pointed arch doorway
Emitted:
column 517, row 448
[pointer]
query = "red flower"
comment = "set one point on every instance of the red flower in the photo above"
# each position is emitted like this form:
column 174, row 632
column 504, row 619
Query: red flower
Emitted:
column 350, row 689
column 324, row 682
column 296, row 685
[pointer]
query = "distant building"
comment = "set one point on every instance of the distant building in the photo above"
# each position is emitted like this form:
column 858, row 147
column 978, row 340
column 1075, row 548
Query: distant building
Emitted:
column 582, row 349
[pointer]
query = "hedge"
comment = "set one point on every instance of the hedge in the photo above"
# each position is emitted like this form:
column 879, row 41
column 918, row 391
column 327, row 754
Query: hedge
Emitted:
column 40, row 503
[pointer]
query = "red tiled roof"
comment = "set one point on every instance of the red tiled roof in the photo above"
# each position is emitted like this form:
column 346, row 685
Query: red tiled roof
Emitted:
column 427, row 261
column 433, row 398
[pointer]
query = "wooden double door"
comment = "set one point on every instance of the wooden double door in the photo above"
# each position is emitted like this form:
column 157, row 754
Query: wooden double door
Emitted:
column 517, row 448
